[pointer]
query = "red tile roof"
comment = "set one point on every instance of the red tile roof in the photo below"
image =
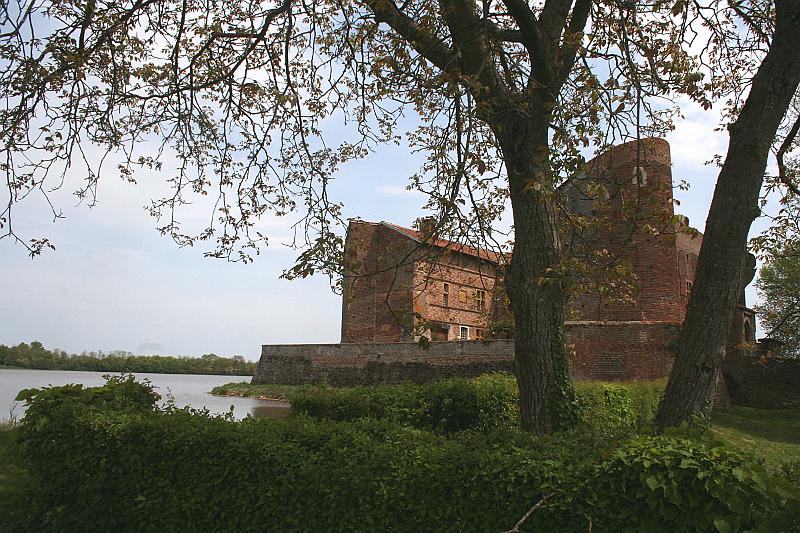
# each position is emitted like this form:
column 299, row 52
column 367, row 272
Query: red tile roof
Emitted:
column 417, row 236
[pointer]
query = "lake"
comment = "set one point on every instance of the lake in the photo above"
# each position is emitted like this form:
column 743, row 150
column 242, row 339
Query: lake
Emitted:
column 187, row 389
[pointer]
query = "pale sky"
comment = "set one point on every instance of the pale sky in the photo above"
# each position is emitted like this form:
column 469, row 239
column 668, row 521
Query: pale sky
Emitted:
column 113, row 283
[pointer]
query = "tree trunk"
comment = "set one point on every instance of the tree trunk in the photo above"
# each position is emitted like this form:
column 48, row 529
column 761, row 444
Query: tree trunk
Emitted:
column 712, row 304
column 534, row 283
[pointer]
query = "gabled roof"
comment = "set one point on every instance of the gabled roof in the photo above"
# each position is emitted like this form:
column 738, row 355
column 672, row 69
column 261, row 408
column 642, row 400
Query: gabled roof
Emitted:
column 417, row 236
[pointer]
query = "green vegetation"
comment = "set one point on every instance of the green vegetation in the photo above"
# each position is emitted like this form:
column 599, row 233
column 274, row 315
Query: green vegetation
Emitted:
column 35, row 355
column 16, row 509
column 778, row 286
column 108, row 458
column 772, row 436
column 610, row 409
column 268, row 392
column 489, row 401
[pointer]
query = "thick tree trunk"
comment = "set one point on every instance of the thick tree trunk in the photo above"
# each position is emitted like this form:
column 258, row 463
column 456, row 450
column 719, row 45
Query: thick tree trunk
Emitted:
column 534, row 284
column 701, row 346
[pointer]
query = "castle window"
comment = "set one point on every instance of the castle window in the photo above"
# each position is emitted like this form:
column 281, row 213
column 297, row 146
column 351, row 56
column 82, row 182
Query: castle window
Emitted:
column 639, row 176
column 688, row 287
column 479, row 334
column 446, row 294
column 480, row 301
column 464, row 333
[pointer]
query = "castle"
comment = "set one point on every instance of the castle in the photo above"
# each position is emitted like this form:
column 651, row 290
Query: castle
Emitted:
column 402, row 283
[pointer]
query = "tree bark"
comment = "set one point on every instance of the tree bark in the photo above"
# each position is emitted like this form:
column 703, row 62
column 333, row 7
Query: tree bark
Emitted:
column 720, row 266
column 534, row 283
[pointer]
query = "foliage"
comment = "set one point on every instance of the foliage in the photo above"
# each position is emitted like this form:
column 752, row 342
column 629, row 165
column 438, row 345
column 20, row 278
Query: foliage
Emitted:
column 485, row 403
column 240, row 100
column 238, row 95
column 615, row 410
column 681, row 484
column 106, row 465
column 258, row 390
column 779, row 288
column 35, row 355
column 19, row 509
column 120, row 393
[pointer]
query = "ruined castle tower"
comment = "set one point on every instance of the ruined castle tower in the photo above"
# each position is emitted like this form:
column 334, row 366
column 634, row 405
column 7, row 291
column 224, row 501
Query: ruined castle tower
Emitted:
column 627, row 194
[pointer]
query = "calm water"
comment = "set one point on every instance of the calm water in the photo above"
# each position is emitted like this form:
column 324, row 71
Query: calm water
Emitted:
column 191, row 390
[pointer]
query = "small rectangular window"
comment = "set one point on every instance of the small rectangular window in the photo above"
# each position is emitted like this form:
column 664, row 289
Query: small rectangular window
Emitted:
column 480, row 301
column 464, row 333
column 446, row 294
column 479, row 334
column 688, row 287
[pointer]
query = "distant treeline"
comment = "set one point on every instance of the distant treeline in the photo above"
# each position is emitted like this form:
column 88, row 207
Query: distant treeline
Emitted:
column 35, row 355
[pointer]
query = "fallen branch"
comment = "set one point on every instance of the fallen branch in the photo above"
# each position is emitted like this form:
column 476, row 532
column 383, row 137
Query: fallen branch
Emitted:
column 526, row 516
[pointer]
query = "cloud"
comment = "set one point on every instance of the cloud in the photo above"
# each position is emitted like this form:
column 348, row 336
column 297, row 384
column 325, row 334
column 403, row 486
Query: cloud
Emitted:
column 398, row 191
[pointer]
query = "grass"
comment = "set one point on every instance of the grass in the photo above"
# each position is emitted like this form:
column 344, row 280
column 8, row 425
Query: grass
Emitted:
column 771, row 435
column 263, row 392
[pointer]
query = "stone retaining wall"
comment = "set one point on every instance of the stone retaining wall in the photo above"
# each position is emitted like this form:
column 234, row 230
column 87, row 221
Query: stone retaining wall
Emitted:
column 608, row 351
column 378, row 363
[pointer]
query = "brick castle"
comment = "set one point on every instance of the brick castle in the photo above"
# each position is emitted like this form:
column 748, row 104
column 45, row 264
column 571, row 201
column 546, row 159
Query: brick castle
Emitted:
column 401, row 283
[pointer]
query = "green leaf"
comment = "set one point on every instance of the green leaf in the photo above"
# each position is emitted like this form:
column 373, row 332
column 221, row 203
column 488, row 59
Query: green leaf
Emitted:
column 722, row 525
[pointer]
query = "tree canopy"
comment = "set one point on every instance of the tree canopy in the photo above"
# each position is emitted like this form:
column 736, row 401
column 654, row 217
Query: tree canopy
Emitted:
column 503, row 96
column 240, row 93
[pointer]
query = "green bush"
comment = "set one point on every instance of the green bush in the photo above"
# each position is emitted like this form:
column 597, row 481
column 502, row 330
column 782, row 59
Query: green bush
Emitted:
column 485, row 403
column 120, row 464
column 615, row 410
column 120, row 393
column 675, row 484
column 101, row 470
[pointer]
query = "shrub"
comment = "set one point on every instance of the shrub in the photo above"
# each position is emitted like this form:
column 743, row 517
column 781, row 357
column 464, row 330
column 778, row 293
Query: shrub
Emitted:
column 615, row 410
column 139, row 471
column 485, row 403
column 117, row 465
column 675, row 484
column 120, row 393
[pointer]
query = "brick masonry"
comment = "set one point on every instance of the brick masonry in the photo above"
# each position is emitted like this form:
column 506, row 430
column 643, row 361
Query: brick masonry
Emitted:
column 766, row 382
column 401, row 283
column 608, row 352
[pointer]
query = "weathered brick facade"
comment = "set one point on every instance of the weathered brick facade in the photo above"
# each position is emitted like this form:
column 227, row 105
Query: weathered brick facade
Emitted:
column 394, row 280
column 400, row 283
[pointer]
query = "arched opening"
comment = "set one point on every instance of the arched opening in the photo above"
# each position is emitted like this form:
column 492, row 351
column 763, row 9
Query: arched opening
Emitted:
column 748, row 331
